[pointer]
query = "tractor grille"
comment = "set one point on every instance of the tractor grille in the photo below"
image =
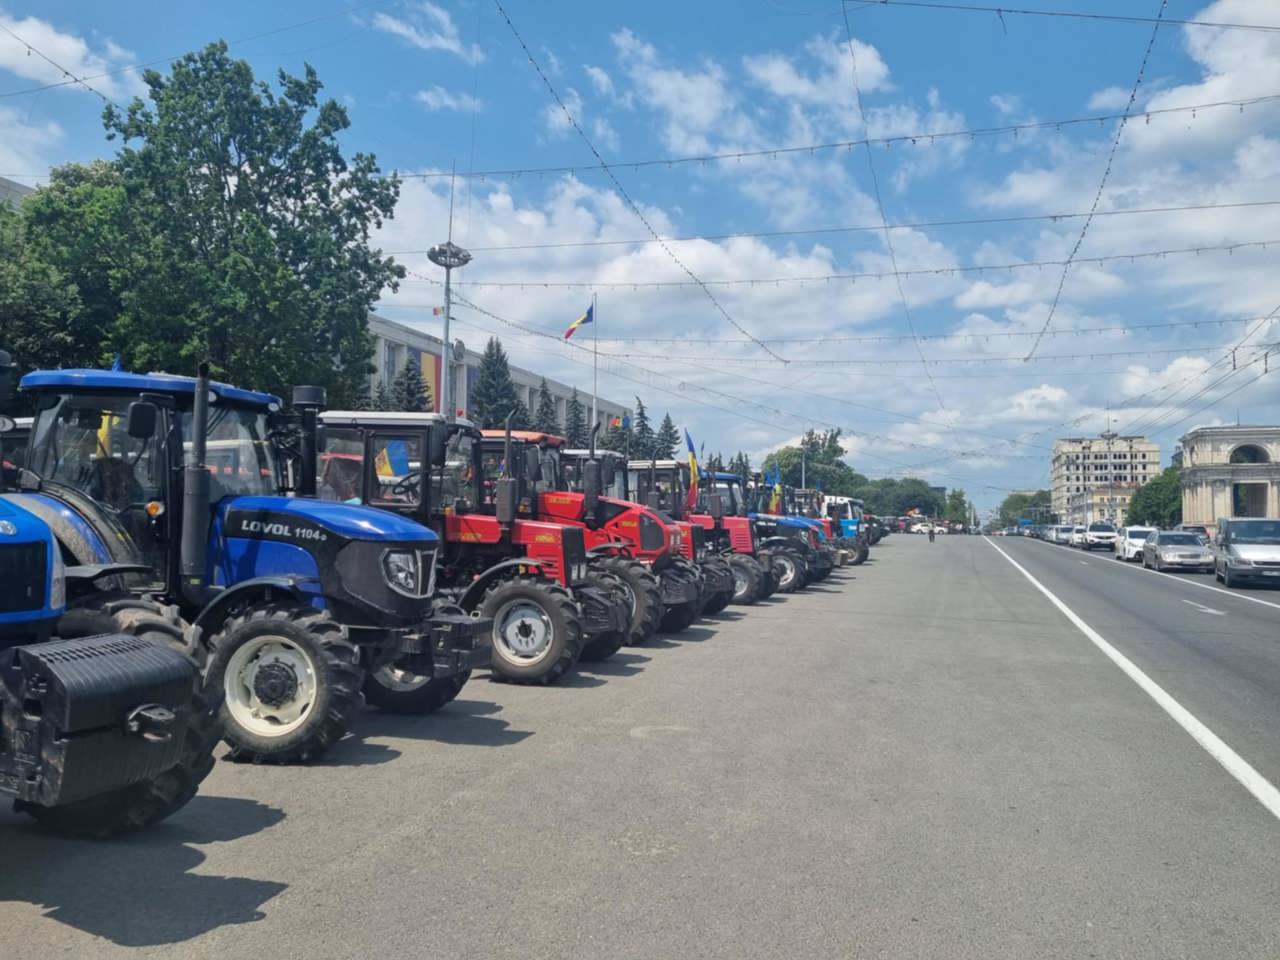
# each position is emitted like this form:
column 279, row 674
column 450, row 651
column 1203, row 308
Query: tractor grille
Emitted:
column 23, row 569
column 575, row 546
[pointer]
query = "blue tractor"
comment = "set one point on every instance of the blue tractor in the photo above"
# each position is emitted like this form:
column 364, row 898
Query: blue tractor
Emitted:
column 295, row 608
column 105, row 725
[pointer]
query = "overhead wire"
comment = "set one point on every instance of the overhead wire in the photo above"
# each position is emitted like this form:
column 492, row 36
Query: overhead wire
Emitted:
column 1102, row 184
column 1068, row 14
column 73, row 78
column 622, row 191
column 777, row 281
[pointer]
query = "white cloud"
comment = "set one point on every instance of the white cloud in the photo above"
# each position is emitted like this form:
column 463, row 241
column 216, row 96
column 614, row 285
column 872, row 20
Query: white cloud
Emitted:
column 600, row 80
column 604, row 133
column 438, row 98
column 26, row 147
column 1109, row 98
column 554, row 117
column 73, row 53
column 429, row 27
column 831, row 83
column 1006, row 103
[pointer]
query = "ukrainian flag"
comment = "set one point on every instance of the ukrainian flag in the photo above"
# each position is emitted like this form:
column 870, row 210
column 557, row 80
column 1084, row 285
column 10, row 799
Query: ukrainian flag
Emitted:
column 693, row 471
column 585, row 318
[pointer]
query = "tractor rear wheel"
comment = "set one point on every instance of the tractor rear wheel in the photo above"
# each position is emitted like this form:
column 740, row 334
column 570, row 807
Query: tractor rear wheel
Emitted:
column 768, row 574
column 861, row 550
column 537, row 633
column 747, row 576
column 292, row 681
column 679, row 618
column 643, row 592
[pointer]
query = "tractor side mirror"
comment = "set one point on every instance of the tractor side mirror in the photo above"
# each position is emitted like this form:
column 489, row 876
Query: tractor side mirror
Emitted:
column 141, row 421
column 591, row 485
column 715, row 506
column 532, row 465
column 437, row 443
column 504, row 500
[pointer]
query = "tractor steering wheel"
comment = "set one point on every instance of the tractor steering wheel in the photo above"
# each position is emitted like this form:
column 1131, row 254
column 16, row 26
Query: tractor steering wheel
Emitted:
column 408, row 486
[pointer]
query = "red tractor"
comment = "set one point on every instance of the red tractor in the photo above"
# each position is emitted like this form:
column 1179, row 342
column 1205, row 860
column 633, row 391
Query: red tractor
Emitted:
column 623, row 537
column 531, row 577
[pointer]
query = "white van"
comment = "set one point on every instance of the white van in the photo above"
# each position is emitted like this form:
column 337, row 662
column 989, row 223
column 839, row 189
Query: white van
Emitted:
column 1129, row 542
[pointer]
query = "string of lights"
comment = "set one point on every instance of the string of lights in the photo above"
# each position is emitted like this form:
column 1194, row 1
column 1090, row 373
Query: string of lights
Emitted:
column 1102, row 184
column 918, row 138
column 622, row 192
column 861, row 228
column 71, row 77
column 980, row 269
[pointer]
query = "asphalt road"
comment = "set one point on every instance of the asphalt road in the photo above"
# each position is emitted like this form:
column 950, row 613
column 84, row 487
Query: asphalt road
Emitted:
column 922, row 757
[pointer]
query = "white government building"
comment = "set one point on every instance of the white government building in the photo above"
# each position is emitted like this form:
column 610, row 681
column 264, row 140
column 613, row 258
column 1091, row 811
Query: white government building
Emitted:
column 395, row 343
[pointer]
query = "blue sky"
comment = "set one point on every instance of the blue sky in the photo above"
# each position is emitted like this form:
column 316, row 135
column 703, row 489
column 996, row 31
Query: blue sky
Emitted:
column 434, row 84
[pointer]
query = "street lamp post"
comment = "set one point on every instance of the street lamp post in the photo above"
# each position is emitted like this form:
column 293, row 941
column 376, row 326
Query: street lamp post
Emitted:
column 448, row 255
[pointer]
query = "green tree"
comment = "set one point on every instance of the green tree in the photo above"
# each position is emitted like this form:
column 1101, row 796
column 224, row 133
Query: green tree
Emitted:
column 409, row 392
column 643, row 439
column 494, row 394
column 667, row 439
column 894, row 497
column 381, row 398
column 957, row 510
column 714, row 464
column 619, row 437
column 544, row 418
column 39, row 306
column 823, row 463
column 1158, row 502
column 575, row 423
column 740, row 464
column 363, row 399
column 229, row 227
column 1029, row 506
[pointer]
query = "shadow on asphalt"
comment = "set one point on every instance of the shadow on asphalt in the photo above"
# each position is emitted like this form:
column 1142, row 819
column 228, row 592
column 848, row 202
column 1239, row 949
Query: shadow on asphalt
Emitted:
column 691, row 635
column 139, row 891
column 619, row 665
column 463, row 722
column 724, row 616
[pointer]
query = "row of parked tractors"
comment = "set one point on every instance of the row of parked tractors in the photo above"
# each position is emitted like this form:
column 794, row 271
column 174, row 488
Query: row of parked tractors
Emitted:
column 182, row 562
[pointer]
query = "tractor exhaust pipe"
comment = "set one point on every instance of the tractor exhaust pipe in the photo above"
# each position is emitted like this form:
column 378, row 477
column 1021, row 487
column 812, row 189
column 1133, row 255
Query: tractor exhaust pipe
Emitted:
column 308, row 401
column 193, row 546
column 504, row 488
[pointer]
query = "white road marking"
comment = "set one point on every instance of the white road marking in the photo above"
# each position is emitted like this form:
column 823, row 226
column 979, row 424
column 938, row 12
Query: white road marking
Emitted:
column 1261, row 788
column 1085, row 562
column 1202, row 608
column 1204, row 586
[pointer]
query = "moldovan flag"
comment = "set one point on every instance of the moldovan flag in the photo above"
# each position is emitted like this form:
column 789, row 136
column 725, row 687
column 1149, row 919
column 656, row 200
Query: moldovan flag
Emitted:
column 693, row 471
column 585, row 318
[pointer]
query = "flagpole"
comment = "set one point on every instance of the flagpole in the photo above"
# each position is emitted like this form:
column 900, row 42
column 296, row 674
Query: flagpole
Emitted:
column 595, row 357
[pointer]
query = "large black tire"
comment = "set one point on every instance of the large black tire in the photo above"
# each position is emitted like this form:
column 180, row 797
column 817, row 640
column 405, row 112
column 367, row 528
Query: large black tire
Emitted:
column 395, row 690
column 679, row 618
column 639, row 582
column 789, row 570
column 280, row 638
column 602, row 646
column 149, row 801
column 768, row 576
column 559, row 616
column 861, row 551
column 747, row 577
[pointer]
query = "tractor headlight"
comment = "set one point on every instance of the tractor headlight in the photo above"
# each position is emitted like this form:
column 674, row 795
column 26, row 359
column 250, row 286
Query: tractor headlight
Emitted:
column 577, row 572
column 677, row 539
column 8, row 529
column 401, row 570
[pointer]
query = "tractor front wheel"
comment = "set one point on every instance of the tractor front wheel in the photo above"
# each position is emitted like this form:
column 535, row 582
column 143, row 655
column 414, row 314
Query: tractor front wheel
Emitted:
column 747, row 576
column 537, row 633
column 397, row 690
column 602, row 646
column 789, row 571
column 643, row 593
column 292, row 679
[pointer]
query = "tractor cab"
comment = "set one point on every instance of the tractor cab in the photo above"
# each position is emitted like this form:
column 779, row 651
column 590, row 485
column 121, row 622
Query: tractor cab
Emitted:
column 613, row 471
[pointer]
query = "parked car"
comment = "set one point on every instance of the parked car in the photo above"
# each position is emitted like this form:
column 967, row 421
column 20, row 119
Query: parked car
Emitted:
column 1199, row 528
column 1177, row 550
column 1246, row 549
column 1129, row 541
column 1061, row 533
column 1077, row 537
column 1100, row 535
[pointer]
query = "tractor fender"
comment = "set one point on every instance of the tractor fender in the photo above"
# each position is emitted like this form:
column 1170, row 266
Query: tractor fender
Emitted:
column 478, row 587
column 792, row 542
column 614, row 548
column 209, row 619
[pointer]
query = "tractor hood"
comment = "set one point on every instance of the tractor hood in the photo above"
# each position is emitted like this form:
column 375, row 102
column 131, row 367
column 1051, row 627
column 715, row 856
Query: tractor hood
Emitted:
column 352, row 522
column 17, row 524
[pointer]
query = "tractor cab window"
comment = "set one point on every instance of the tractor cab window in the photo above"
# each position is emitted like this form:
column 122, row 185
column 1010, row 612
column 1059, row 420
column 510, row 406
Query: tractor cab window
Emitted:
column 731, row 497
column 80, row 441
column 240, row 458
column 455, row 479
column 644, row 480
column 550, row 478
column 340, row 466
column 397, row 468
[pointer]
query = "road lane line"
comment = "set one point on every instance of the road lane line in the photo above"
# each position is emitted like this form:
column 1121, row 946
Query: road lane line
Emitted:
column 1197, row 583
column 1202, row 608
column 1261, row 788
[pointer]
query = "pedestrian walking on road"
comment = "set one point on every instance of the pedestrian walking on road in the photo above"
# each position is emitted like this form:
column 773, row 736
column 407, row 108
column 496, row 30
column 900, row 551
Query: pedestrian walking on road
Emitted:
column 931, row 533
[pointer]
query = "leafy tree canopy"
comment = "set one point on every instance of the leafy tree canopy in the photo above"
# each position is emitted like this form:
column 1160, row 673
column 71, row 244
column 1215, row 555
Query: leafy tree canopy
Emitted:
column 1029, row 506
column 1158, row 502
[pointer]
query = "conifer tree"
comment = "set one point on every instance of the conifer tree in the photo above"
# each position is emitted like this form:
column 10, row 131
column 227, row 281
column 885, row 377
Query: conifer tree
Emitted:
column 667, row 441
column 642, row 436
column 544, row 419
column 381, row 399
column 494, row 394
column 409, row 391
column 576, row 428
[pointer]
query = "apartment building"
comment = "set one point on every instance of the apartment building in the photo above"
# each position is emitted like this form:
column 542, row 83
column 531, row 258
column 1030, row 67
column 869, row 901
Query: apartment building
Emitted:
column 1092, row 478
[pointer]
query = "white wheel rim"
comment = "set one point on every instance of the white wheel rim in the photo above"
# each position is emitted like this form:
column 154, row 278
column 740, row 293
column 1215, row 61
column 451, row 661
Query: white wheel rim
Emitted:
column 400, row 680
column 522, row 631
column 244, row 680
column 739, row 582
column 788, row 570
